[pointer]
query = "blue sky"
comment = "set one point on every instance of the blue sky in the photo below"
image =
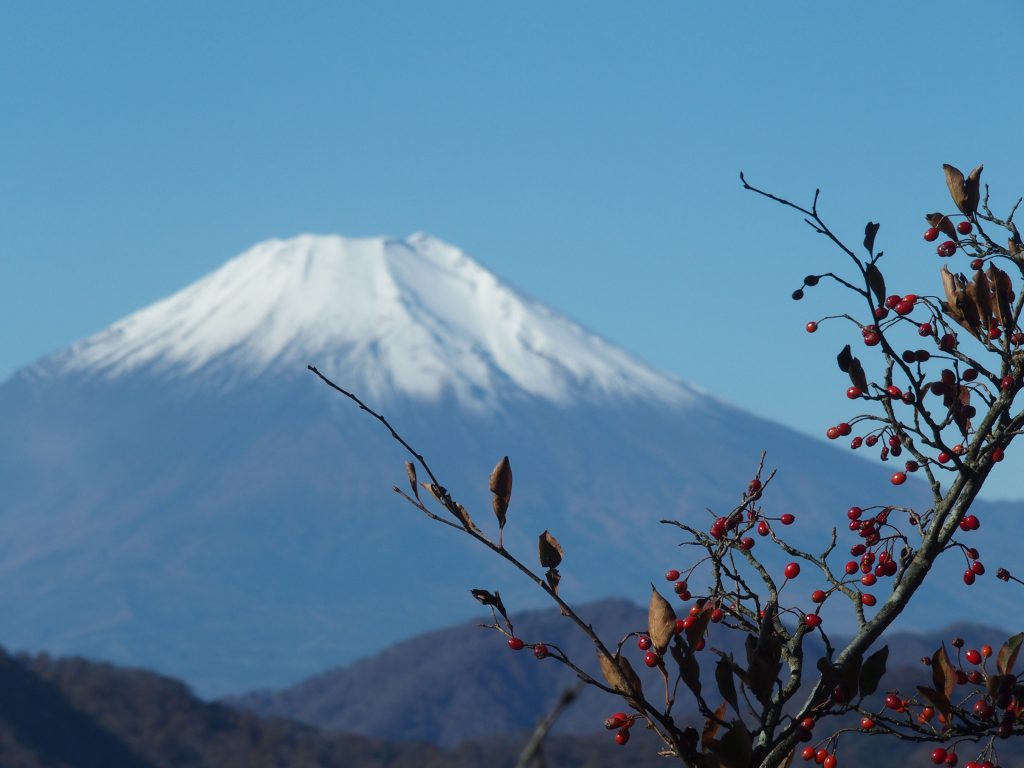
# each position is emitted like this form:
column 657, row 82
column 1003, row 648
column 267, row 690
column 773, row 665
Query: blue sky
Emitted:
column 586, row 152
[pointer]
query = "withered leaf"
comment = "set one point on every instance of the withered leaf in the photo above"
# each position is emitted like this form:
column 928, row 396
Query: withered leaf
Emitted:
column 661, row 621
column 735, row 748
column 872, row 670
column 620, row 676
column 1007, row 655
column 726, row 685
column 410, row 470
column 501, row 479
column 484, row 596
column 711, row 726
column 869, row 236
column 942, row 223
column 877, row 282
column 943, row 674
column 973, row 189
column 551, row 552
column 981, row 297
column 553, row 578
column 689, row 669
column 463, row 514
column 493, row 600
column 1001, row 289
column 957, row 187
column 844, row 359
column 501, row 486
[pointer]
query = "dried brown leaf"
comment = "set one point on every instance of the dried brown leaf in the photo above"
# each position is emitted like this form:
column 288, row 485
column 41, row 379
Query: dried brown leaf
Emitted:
column 620, row 676
column 972, row 188
column 410, row 470
column 877, row 282
column 942, row 223
column 501, row 486
column 1002, row 296
column 957, row 188
column 551, row 552
column 661, row 621
column 981, row 297
column 463, row 514
column 501, row 479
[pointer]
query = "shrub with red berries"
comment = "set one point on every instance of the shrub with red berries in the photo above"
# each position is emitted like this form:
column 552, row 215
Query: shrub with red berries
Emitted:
column 931, row 378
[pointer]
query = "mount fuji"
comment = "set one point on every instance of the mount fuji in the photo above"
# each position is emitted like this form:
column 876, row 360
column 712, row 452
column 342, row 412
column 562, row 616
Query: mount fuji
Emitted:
column 177, row 491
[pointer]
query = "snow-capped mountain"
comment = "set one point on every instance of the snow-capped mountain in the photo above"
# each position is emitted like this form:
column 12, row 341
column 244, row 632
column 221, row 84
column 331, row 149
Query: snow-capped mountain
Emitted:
column 411, row 317
column 178, row 491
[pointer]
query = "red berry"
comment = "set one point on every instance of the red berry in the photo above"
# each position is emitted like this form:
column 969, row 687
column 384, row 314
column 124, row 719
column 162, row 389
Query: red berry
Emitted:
column 643, row 643
column 872, row 339
column 792, row 570
column 832, row 433
column 853, row 393
column 867, row 599
column 904, row 307
column 844, row 429
column 938, row 755
column 997, row 454
column 651, row 659
column 830, row 762
column 540, row 651
column 898, row 478
column 946, row 249
column 763, row 528
column 680, row 627
column 924, row 329
column 854, row 513
column 622, row 737
column 746, row 543
column 968, row 577
column 671, row 575
column 807, row 753
column 617, row 720
column 892, row 301
column 977, row 263
column 973, row 656
column 516, row 644
column 787, row 519
column 812, row 620
column 866, row 723
column 931, row 234
column 892, row 701
column 811, row 327
column 964, row 227
column 818, row 596
column 947, row 342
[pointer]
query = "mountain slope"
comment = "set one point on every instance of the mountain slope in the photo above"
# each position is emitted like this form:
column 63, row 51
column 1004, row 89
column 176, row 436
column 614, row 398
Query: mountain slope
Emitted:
column 178, row 492
column 409, row 317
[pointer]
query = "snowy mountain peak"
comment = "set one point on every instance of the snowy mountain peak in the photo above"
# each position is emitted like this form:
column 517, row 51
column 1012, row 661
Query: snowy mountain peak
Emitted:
column 410, row 316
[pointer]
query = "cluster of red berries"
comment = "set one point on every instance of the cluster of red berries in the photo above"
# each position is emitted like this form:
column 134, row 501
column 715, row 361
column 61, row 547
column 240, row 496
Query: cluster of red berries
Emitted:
column 820, row 755
column 540, row 650
column 620, row 722
column 947, row 248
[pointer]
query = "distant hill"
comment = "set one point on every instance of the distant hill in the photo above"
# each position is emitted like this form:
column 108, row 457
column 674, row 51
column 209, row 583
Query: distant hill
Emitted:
column 75, row 713
column 462, row 683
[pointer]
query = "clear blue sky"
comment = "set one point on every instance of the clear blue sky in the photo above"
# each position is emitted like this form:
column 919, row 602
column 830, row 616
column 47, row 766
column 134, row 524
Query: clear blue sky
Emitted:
column 586, row 152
